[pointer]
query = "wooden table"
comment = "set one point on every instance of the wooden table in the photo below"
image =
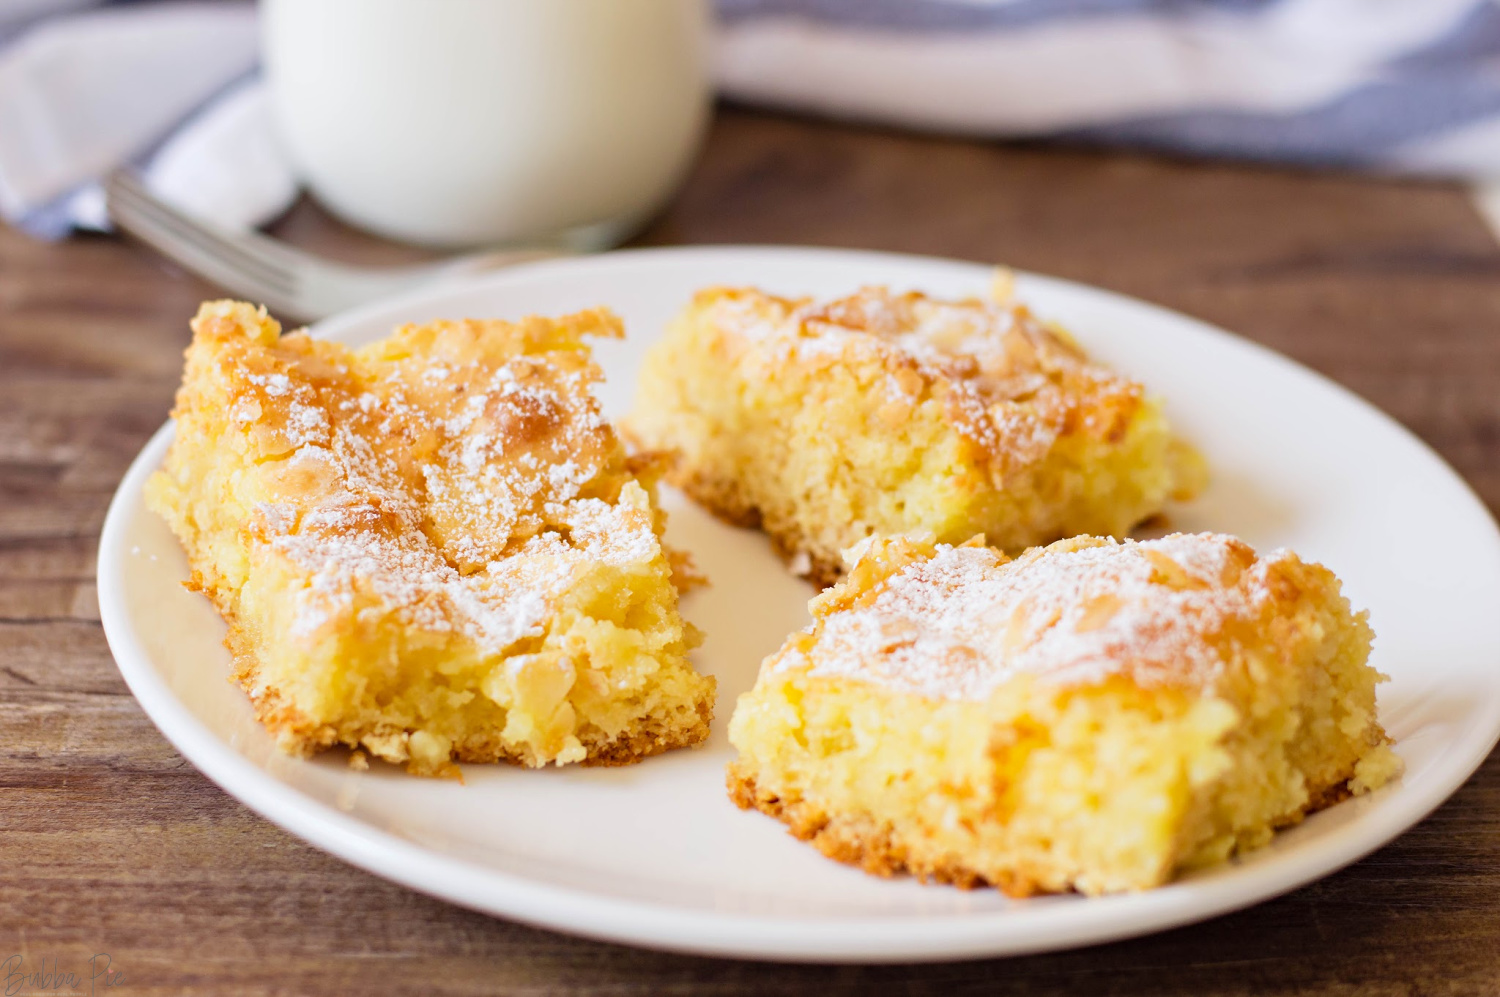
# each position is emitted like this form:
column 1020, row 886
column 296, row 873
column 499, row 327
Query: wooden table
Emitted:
column 111, row 843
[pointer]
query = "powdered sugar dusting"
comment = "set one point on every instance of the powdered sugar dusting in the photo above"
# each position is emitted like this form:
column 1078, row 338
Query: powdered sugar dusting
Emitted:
column 1008, row 381
column 458, row 489
column 305, row 424
column 956, row 625
column 275, row 385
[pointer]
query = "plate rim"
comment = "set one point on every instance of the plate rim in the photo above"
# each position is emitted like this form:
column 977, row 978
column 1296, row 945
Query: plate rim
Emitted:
column 670, row 927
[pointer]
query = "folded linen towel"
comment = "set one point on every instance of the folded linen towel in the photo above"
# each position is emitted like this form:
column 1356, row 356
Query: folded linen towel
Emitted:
column 148, row 84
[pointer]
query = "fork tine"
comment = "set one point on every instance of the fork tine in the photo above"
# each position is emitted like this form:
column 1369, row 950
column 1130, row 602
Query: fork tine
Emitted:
column 296, row 285
column 277, row 252
column 252, row 244
column 205, row 263
column 126, row 197
column 272, row 252
column 201, row 246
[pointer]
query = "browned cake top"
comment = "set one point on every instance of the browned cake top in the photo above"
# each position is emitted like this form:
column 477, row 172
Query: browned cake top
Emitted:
column 1012, row 384
column 456, row 473
column 957, row 623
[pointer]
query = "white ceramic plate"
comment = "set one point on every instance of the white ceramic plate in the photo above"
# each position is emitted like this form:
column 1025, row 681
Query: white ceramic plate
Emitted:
column 654, row 854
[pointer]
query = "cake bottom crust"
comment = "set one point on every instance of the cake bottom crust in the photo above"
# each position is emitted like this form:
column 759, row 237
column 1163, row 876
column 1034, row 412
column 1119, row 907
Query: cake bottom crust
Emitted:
column 860, row 840
column 300, row 735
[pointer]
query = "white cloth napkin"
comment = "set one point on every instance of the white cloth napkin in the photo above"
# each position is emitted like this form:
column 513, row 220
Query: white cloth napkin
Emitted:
column 1395, row 85
column 170, row 88
column 1409, row 86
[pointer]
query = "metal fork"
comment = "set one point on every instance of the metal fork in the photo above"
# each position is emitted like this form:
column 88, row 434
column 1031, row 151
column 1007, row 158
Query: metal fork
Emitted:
column 293, row 284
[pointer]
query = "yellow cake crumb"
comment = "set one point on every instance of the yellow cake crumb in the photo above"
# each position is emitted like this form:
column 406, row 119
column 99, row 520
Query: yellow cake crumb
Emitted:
column 1094, row 716
column 882, row 413
column 432, row 549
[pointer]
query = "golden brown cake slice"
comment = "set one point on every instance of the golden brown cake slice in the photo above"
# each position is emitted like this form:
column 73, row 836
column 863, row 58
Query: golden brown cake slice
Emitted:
column 884, row 413
column 432, row 549
column 1094, row 715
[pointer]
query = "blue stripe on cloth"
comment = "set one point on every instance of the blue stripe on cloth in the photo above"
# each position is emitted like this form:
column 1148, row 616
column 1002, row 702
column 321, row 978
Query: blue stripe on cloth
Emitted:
column 951, row 16
column 1474, row 39
column 1356, row 129
column 52, row 221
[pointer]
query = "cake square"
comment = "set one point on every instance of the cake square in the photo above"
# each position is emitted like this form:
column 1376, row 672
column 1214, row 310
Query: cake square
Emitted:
column 1093, row 716
column 432, row 549
column 884, row 413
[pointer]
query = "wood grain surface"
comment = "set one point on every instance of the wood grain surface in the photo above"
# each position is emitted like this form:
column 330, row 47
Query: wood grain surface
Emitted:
column 111, row 843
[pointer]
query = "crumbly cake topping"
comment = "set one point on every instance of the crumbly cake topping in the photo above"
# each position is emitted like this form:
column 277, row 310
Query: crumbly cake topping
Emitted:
column 957, row 624
column 458, row 476
column 1012, row 384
